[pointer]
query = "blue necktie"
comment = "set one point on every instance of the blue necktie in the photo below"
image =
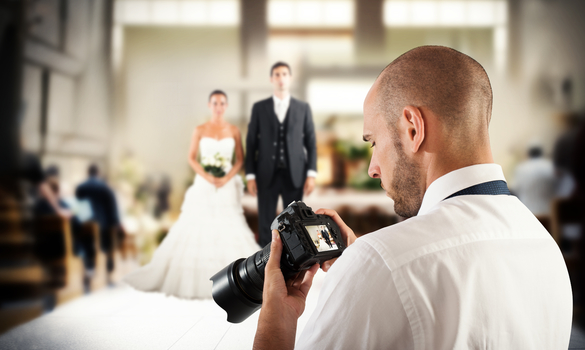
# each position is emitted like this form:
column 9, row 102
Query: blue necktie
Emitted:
column 497, row 187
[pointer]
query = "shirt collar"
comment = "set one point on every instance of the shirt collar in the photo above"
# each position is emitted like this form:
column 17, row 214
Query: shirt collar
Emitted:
column 286, row 100
column 457, row 180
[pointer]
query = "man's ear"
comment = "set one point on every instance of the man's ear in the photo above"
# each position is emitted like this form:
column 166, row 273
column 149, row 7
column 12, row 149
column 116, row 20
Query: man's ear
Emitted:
column 414, row 123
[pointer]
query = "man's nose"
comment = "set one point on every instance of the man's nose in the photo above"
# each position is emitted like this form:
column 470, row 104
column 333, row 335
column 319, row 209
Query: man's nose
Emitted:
column 373, row 170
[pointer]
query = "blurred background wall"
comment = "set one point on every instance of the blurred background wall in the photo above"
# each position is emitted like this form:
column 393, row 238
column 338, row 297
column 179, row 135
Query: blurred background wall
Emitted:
column 108, row 81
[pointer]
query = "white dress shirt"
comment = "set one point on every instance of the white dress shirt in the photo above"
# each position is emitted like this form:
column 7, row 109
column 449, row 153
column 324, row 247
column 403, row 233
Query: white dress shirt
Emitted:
column 469, row 272
column 280, row 109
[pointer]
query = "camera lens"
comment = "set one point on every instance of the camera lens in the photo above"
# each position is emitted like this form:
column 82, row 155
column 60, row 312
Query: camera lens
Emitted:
column 237, row 288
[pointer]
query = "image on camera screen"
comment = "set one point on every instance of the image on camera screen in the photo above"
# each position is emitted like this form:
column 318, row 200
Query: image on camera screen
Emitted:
column 321, row 237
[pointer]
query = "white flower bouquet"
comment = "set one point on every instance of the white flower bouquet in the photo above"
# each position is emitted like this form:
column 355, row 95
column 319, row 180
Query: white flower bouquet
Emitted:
column 214, row 165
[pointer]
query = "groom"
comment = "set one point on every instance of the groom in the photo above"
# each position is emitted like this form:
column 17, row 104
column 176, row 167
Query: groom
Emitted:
column 281, row 152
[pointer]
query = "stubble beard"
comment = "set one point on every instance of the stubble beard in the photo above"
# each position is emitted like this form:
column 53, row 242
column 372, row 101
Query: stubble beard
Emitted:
column 406, row 184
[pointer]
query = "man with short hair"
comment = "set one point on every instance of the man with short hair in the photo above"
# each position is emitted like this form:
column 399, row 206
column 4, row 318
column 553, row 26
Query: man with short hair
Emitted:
column 471, row 269
column 281, row 151
column 535, row 182
column 104, row 210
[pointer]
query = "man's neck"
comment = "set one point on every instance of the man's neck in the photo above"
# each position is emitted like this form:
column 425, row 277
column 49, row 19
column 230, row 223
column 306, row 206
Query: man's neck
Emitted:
column 282, row 95
column 446, row 165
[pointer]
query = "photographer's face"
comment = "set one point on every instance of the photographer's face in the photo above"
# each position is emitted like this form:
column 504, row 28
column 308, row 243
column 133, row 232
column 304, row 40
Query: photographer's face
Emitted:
column 399, row 175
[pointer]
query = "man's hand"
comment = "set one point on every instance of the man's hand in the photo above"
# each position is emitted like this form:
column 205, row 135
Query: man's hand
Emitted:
column 347, row 233
column 252, row 189
column 283, row 302
column 309, row 185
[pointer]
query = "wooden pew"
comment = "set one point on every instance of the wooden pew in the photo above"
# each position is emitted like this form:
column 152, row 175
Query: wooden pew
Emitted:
column 124, row 254
column 54, row 247
column 22, row 277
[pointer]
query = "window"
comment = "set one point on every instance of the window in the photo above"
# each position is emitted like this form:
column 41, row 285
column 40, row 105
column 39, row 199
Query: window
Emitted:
column 448, row 13
column 337, row 96
column 178, row 12
column 465, row 14
column 310, row 13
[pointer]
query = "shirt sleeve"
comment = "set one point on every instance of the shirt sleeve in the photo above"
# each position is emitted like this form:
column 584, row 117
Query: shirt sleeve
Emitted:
column 359, row 306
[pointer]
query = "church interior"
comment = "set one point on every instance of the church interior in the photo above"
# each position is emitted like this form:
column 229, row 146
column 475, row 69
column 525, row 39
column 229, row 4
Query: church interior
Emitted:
column 121, row 85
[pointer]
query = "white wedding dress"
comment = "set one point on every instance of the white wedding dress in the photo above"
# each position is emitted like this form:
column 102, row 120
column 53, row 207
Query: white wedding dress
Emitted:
column 210, row 233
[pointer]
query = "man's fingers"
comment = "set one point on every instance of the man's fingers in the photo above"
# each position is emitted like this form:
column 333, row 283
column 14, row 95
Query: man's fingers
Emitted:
column 332, row 213
column 308, row 279
column 327, row 264
column 275, row 253
column 346, row 232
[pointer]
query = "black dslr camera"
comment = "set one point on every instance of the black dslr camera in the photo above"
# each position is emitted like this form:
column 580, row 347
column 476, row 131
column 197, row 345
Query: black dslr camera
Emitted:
column 307, row 238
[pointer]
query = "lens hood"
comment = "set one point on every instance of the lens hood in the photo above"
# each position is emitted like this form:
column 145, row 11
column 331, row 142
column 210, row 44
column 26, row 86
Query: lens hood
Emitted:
column 229, row 296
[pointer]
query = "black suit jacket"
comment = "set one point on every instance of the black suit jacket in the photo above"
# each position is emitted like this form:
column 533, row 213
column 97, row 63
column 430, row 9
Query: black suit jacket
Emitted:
column 261, row 142
column 103, row 202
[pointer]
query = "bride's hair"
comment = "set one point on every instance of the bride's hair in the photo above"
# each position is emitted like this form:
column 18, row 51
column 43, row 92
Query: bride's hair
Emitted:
column 217, row 92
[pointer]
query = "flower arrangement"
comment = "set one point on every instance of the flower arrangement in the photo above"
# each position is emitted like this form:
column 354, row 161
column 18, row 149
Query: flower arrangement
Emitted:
column 214, row 165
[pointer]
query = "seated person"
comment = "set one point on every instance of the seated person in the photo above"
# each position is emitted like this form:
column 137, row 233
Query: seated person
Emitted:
column 43, row 205
column 471, row 268
column 82, row 246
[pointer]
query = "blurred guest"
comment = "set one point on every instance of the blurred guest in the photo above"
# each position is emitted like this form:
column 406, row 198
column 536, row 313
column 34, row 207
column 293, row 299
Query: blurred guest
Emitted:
column 162, row 197
column 104, row 210
column 81, row 246
column 43, row 206
column 38, row 188
column 578, row 207
column 563, row 155
column 578, row 163
column 535, row 182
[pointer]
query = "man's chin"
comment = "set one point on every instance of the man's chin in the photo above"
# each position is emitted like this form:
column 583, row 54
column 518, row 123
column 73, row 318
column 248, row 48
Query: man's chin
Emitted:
column 388, row 194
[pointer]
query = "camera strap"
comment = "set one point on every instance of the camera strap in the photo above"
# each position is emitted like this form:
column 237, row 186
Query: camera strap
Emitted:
column 494, row 188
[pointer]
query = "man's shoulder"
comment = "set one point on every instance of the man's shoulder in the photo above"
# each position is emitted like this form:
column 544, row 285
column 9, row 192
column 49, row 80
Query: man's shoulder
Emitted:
column 83, row 185
column 262, row 102
column 296, row 101
column 454, row 223
column 93, row 184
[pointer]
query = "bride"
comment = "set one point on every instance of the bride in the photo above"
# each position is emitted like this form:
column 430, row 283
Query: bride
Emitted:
column 211, row 230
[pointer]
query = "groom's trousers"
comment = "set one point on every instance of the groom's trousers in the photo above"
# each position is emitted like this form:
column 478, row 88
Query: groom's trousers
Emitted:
column 281, row 185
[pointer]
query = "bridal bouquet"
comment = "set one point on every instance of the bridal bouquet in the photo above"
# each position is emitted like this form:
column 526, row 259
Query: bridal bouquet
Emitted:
column 214, row 165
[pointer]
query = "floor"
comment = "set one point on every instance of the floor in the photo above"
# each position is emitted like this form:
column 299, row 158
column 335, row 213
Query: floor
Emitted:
column 122, row 318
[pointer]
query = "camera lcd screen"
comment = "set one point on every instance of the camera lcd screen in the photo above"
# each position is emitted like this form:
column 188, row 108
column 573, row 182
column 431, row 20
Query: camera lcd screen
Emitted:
column 321, row 237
